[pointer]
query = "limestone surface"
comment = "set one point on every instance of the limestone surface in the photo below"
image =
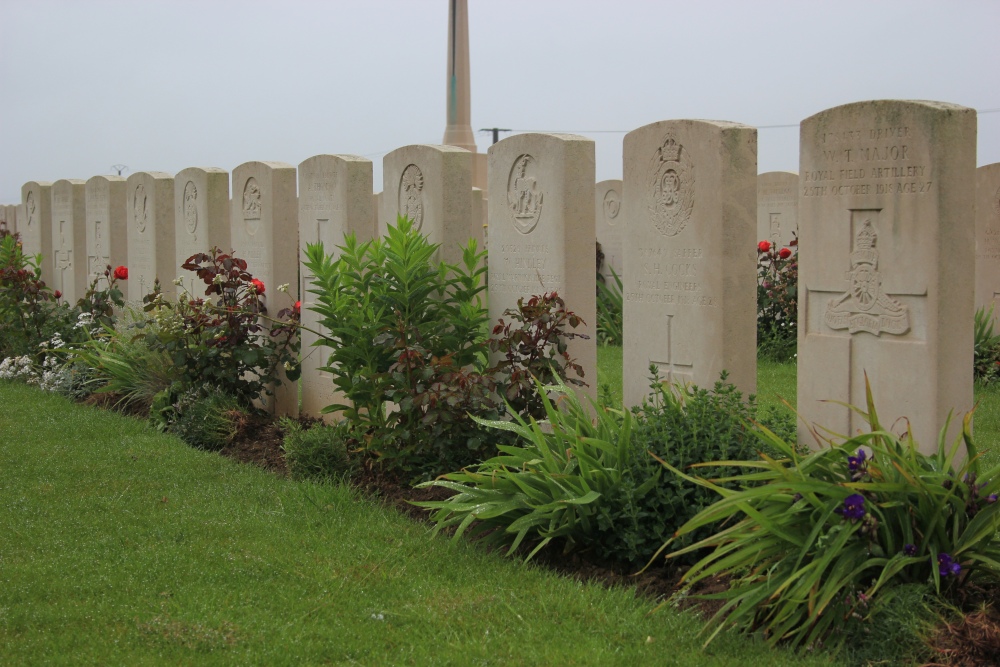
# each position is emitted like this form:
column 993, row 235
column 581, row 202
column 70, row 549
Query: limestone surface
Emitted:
column 107, row 235
column 886, row 265
column 777, row 207
column 35, row 223
column 150, row 223
column 201, row 210
column 988, row 238
column 689, row 203
column 607, row 214
column 69, row 238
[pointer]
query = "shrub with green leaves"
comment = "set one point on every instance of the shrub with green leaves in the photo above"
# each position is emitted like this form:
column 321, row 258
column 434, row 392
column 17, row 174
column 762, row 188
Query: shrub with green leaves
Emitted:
column 207, row 418
column 986, row 349
column 610, row 312
column 684, row 425
column 548, row 488
column 809, row 540
column 405, row 329
column 777, row 300
column 320, row 452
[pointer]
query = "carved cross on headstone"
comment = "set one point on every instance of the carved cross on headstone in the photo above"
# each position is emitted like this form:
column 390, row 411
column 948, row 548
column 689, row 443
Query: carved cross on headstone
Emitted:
column 676, row 369
column 63, row 257
column 860, row 310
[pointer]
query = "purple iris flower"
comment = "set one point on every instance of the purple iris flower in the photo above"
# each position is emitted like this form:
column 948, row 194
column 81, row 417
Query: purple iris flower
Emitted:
column 854, row 507
column 947, row 566
column 856, row 463
column 910, row 549
column 992, row 498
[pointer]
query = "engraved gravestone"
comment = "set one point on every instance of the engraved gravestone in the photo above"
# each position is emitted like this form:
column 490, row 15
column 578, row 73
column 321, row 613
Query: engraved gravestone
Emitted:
column 988, row 238
column 886, row 265
column 149, row 210
column 607, row 211
column 431, row 186
column 777, row 207
column 335, row 199
column 541, row 232
column 264, row 231
column 201, row 212
column 36, row 230
column 107, row 235
column 69, row 238
column 689, row 202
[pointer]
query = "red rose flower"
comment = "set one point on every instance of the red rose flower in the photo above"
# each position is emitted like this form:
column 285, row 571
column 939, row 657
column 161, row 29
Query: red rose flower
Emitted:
column 121, row 273
column 763, row 246
column 57, row 294
column 298, row 306
column 785, row 253
column 258, row 285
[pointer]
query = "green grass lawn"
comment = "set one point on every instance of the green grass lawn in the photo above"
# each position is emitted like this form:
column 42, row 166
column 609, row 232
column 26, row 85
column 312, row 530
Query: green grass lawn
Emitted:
column 122, row 546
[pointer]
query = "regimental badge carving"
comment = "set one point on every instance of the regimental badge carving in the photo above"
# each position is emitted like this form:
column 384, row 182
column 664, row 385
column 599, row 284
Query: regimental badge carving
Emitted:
column 996, row 202
column 775, row 227
column 29, row 207
column 140, row 208
column 524, row 196
column 612, row 205
column 191, row 207
column 864, row 307
column 251, row 206
column 411, row 194
column 671, row 190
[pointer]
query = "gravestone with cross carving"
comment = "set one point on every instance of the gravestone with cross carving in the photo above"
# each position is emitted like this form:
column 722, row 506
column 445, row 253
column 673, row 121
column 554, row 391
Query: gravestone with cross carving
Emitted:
column 335, row 199
column 69, row 238
column 264, row 230
column 988, row 239
column 541, row 234
column 886, row 265
column 689, row 208
column 201, row 212
column 107, row 235
column 609, row 221
column 777, row 207
column 149, row 207
column 35, row 224
column 431, row 185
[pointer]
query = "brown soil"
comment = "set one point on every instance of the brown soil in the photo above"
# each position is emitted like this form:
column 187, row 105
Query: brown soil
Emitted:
column 972, row 641
column 258, row 441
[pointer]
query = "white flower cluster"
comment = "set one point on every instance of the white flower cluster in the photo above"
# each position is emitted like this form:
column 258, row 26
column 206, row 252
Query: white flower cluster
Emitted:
column 56, row 376
column 18, row 368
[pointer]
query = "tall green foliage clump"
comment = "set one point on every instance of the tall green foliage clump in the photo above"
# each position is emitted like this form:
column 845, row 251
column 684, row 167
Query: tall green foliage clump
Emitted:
column 407, row 347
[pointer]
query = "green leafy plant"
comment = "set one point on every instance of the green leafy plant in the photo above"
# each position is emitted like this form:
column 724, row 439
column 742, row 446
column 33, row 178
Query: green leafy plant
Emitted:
column 777, row 300
column 207, row 418
column 223, row 343
column 810, row 540
column 546, row 489
column 320, row 452
column 684, row 425
column 986, row 350
column 30, row 312
column 534, row 348
column 610, row 309
column 406, row 330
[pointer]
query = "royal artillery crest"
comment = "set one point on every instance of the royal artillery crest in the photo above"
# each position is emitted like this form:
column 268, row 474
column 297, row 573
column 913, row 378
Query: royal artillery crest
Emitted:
column 865, row 307
column 671, row 192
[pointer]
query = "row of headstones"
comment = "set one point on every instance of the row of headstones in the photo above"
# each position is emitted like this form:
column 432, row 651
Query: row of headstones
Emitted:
column 886, row 268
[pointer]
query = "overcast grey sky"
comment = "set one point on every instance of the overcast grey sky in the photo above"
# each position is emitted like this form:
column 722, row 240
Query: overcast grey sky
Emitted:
column 168, row 84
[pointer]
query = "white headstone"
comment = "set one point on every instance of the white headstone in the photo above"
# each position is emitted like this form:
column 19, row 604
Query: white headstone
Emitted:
column 777, row 207
column 607, row 211
column 335, row 199
column 107, row 226
column 431, row 186
column 150, row 232
column 886, row 265
column 36, row 228
column 541, row 232
column 689, row 201
column 69, row 238
column 201, row 211
column 265, row 232
column 988, row 238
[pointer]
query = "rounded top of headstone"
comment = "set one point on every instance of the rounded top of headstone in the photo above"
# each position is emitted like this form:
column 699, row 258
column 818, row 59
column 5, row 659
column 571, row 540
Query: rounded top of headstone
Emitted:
column 889, row 106
column 693, row 123
column 110, row 178
column 68, row 182
column 778, row 174
column 30, row 185
column 201, row 170
column 155, row 175
column 324, row 157
column 267, row 164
